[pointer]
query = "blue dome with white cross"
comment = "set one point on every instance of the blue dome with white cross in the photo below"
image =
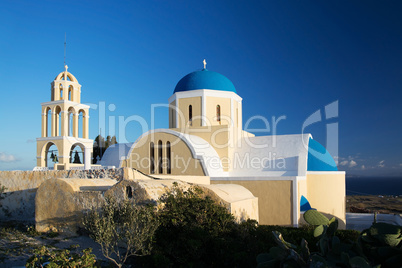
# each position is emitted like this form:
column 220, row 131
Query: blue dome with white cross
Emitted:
column 204, row 79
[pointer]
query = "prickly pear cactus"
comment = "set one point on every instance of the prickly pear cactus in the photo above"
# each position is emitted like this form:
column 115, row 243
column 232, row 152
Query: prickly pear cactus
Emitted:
column 387, row 234
column 382, row 244
column 314, row 217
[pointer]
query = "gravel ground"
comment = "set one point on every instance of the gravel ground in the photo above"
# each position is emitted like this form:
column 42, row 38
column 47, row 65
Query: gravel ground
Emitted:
column 17, row 245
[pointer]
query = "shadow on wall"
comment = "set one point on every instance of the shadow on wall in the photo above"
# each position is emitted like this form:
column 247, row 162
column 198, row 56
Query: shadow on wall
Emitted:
column 21, row 188
column 127, row 189
column 18, row 205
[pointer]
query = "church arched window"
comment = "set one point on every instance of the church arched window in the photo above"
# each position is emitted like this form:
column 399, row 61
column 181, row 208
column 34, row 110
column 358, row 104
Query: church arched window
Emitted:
column 190, row 114
column 152, row 158
column 160, row 158
column 218, row 113
column 169, row 158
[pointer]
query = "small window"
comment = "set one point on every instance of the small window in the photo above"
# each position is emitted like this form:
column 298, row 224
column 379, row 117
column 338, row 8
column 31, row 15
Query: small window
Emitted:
column 171, row 118
column 129, row 191
column 218, row 113
column 237, row 117
column 190, row 114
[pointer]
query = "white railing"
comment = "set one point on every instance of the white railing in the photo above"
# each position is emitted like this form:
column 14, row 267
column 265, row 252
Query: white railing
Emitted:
column 76, row 168
column 42, row 168
column 93, row 167
column 97, row 167
column 103, row 167
column 360, row 221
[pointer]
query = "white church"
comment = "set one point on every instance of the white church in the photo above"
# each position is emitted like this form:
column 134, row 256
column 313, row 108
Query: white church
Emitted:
column 206, row 145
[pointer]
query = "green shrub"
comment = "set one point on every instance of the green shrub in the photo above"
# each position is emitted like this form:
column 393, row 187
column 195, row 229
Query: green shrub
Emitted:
column 195, row 231
column 122, row 229
column 61, row 258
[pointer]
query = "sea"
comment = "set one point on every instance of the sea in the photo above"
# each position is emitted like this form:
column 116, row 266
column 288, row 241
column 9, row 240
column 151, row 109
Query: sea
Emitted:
column 374, row 186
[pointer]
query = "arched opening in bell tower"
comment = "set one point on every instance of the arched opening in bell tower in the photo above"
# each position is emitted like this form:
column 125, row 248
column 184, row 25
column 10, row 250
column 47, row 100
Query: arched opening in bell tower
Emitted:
column 61, row 91
column 71, row 113
column 51, row 155
column 77, row 154
column 57, row 124
column 70, row 93
column 48, row 121
column 81, row 123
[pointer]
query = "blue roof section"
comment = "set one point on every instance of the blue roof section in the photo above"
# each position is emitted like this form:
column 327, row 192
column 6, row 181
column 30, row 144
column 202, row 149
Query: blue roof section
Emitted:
column 204, row 79
column 318, row 158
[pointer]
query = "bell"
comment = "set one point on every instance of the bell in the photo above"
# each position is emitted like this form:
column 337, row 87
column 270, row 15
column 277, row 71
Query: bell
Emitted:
column 52, row 156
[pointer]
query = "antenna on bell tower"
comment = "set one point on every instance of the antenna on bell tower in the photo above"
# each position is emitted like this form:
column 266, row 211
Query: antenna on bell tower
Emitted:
column 65, row 48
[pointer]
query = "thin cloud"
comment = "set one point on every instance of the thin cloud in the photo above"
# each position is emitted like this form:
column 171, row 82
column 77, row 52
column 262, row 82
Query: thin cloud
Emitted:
column 381, row 164
column 352, row 163
column 349, row 163
column 363, row 167
column 7, row 158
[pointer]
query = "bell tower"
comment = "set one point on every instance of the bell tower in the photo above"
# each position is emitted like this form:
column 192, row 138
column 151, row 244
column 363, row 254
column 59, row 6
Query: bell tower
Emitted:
column 64, row 127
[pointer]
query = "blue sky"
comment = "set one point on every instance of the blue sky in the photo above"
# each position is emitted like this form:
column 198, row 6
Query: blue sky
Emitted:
column 285, row 58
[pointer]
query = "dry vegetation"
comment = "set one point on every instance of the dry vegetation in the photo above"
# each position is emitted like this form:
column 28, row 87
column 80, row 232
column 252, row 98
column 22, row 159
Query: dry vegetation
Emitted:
column 374, row 203
column 18, row 242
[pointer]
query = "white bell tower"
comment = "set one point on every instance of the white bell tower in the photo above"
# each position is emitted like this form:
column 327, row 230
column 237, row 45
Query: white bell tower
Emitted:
column 65, row 123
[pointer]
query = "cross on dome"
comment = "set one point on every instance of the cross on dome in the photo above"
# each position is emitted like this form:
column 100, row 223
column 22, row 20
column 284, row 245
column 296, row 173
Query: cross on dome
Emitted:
column 66, row 67
column 205, row 63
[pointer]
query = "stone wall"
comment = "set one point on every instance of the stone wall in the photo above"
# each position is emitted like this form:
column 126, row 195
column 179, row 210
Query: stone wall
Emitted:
column 60, row 203
column 21, row 186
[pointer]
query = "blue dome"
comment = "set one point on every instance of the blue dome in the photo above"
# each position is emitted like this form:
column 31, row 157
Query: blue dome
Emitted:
column 318, row 158
column 204, row 79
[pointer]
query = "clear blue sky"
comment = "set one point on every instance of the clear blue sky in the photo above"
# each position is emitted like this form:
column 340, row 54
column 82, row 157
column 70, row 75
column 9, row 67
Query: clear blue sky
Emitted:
column 285, row 58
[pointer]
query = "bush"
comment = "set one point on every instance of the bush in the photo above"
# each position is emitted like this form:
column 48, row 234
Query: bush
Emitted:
column 61, row 258
column 195, row 231
column 122, row 229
